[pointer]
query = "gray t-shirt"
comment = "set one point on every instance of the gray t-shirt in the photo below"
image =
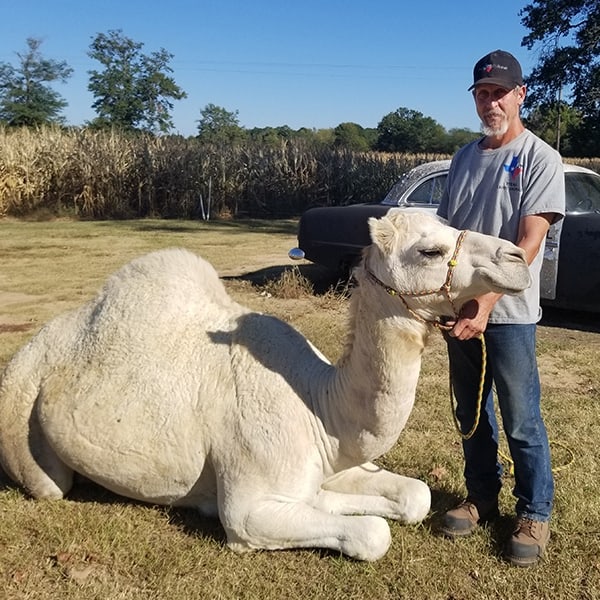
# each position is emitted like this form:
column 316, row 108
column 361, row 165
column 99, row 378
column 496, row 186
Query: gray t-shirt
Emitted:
column 491, row 190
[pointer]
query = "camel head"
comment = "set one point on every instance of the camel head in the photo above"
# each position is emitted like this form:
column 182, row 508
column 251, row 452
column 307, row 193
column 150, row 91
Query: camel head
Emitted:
column 435, row 268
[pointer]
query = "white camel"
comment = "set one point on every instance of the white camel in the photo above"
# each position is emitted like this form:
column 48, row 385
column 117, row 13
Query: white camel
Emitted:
column 164, row 389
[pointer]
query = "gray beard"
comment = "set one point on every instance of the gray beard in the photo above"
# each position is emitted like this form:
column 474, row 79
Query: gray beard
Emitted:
column 491, row 132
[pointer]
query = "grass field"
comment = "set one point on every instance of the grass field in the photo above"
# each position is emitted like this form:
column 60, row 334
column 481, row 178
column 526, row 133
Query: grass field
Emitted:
column 96, row 545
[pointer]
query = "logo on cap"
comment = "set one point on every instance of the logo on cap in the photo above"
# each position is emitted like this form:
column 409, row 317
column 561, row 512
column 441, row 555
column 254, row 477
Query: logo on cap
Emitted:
column 498, row 67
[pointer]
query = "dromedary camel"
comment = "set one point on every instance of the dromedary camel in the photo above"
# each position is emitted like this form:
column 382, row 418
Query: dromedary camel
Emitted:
column 164, row 389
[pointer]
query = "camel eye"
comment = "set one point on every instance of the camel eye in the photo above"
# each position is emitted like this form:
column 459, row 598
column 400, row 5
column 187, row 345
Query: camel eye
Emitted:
column 432, row 253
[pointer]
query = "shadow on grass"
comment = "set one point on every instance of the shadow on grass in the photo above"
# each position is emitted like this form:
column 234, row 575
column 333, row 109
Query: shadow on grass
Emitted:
column 192, row 523
column 245, row 226
column 5, row 482
column 322, row 279
column 189, row 520
column 85, row 491
column 498, row 529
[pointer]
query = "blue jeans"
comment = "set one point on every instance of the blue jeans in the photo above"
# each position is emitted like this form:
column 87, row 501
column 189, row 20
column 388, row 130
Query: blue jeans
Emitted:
column 512, row 367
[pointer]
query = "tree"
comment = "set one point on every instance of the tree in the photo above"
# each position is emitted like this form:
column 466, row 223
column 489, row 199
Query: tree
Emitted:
column 458, row 137
column 567, row 34
column 269, row 135
column 555, row 123
column 407, row 130
column 25, row 96
column 216, row 125
column 134, row 90
column 353, row 137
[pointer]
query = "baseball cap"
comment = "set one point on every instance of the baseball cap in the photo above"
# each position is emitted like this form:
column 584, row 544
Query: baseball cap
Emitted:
column 498, row 67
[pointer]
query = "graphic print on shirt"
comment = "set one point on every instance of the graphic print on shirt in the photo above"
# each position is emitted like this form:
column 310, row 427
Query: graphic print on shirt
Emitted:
column 514, row 168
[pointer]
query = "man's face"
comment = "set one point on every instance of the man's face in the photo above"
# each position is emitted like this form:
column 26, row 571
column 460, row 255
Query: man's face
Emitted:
column 498, row 107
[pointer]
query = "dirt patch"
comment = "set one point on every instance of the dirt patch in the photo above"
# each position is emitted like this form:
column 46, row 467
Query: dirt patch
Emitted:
column 7, row 298
column 257, row 263
column 12, row 327
column 11, row 323
column 553, row 373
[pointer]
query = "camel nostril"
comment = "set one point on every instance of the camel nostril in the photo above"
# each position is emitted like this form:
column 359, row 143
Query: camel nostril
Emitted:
column 515, row 254
column 519, row 254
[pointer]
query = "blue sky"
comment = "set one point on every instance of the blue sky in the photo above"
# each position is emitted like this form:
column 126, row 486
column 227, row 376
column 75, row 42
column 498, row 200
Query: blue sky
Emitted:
column 304, row 64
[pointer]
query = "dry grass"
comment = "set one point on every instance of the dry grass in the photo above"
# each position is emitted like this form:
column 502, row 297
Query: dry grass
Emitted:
column 96, row 545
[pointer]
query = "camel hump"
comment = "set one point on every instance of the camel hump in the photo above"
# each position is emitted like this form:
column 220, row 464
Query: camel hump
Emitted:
column 165, row 284
column 165, row 272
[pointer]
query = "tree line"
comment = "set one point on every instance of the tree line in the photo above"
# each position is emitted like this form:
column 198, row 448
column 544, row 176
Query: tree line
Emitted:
column 134, row 92
column 404, row 130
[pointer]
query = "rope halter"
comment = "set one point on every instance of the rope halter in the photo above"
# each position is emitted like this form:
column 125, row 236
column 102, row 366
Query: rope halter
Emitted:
column 443, row 289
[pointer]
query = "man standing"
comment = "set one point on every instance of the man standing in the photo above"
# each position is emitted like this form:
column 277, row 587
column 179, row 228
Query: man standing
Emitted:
column 509, row 184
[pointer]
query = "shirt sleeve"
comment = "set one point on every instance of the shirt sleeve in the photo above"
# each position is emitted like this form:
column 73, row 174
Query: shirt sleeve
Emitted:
column 545, row 191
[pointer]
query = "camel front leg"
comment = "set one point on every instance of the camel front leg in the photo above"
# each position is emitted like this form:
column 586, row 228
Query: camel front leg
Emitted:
column 277, row 524
column 369, row 489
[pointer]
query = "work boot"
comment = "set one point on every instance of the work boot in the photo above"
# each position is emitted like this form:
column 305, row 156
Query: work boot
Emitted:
column 465, row 518
column 528, row 542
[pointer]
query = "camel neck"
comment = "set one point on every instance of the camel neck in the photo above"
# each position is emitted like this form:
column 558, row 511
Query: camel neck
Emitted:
column 373, row 387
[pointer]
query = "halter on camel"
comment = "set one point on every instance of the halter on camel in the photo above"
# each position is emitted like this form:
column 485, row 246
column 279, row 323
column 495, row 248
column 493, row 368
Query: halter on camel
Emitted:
column 443, row 289
column 441, row 325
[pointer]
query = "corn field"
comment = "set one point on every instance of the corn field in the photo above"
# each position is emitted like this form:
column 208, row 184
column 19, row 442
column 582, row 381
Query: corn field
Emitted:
column 100, row 175
column 94, row 174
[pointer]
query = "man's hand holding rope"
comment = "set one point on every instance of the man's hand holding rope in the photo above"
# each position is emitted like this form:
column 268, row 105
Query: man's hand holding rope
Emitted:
column 473, row 317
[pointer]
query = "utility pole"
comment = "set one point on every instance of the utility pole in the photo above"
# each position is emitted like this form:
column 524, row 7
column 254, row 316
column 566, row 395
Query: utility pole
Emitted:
column 558, row 105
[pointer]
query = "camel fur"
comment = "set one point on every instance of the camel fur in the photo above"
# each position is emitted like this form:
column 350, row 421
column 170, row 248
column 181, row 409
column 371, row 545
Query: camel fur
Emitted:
column 165, row 390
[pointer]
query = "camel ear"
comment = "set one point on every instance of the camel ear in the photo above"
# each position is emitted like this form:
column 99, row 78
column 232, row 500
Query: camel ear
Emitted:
column 384, row 233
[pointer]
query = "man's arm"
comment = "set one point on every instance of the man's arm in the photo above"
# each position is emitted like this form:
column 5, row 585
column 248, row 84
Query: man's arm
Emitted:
column 474, row 315
column 532, row 233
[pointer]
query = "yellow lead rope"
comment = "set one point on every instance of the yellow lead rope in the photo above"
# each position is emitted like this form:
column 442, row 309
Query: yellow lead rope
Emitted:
column 469, row 435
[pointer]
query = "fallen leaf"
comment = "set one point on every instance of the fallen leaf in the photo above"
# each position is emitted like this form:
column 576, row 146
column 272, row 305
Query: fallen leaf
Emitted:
column 438, row 473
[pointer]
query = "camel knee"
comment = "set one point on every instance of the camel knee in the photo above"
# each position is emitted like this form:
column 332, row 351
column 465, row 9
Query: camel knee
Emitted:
column 371, row 542
column 275, row 526
column 418, row 501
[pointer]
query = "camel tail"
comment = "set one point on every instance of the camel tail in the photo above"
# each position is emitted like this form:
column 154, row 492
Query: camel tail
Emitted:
column 25, row 454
